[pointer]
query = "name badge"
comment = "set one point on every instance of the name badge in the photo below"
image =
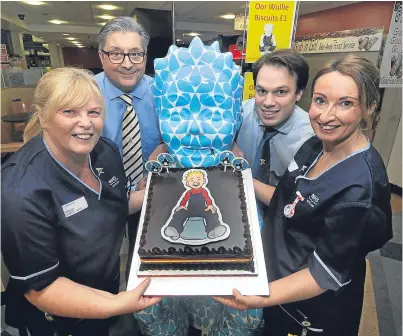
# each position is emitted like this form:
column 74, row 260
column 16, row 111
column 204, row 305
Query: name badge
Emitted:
column 292, row 166
column 74, row 207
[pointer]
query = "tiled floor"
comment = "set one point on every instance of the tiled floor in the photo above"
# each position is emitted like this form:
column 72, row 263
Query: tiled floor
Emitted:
column 382, row 311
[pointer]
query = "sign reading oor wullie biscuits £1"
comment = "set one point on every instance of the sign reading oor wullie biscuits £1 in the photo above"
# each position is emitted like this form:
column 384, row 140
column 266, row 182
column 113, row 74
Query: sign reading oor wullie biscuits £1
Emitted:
column 270, row 27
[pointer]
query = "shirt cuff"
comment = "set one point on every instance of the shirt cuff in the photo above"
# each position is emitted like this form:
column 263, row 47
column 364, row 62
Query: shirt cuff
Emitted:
column 323, row 275
column 37, row 281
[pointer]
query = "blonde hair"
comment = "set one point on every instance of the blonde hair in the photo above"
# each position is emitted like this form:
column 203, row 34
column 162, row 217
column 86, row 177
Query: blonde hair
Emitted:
column 192, row 172
column 366, row 77
column 59, row 89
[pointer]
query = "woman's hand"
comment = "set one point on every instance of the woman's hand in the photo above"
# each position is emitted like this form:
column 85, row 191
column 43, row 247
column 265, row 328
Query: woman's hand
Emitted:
column 133, row 301
column 294, row 287
column 242, row 302
column 66, row 298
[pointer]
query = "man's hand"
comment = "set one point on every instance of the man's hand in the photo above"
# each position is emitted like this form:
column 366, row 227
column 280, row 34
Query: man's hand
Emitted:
column 136, row 201
column 263, row 192
column 133, row 301
column 181, row 207
column 211, row 208
column 242, row 302
column 141, row 185
column 237, row 150
column 160, row 149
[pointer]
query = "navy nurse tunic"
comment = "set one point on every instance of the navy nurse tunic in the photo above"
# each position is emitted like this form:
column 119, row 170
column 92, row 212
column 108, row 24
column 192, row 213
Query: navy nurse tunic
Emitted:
column 55, row 225
column 341, row 216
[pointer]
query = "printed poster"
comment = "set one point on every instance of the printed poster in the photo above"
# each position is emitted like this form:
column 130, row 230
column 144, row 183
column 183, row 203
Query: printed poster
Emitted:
column 354, row 40
column 270, row 27
column 391, row 67
column 240, row 22
column 3, row 53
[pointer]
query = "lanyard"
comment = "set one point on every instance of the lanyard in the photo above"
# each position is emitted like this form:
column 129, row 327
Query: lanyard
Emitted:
column 306, row 325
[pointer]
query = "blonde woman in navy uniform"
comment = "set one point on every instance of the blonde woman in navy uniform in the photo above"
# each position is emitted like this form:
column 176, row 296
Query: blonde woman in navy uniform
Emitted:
column 331, row 208
column 64, row 208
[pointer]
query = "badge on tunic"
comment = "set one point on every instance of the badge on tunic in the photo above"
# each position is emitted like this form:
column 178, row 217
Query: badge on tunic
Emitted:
column 100, row 171
column 289, row 209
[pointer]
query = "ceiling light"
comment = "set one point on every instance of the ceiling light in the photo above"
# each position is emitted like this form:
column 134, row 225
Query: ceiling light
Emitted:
column 71, row 38
column 57, row 21
column 34, row 3
column 193, row 34
column 106, row 17
column 76, row 42
column 178, row 40
column 101, row 23
column 66, row 34
column 108, row 7
column 228, row 16
column 80, row 46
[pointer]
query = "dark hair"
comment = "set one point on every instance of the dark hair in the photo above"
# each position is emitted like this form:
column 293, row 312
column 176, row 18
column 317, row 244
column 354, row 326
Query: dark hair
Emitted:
column 294, row 62
column 365, row 75
column 123, row 24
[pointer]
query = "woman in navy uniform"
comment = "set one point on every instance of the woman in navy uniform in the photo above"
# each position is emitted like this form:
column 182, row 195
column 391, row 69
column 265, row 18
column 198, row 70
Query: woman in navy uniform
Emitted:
column 331, row 208
column 64, row 208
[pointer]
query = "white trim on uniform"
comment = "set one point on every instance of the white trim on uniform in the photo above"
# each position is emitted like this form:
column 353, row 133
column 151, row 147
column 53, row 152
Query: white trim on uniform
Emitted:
column 34, row 274
column 368, row 146
column 329, row 271
column 74, row 176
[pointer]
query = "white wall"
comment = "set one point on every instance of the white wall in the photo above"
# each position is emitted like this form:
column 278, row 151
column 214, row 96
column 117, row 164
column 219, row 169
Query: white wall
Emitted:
column 388, row 135
column 395, row 165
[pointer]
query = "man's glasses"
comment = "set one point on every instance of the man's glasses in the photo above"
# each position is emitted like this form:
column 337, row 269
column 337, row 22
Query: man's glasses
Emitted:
column 117, row 57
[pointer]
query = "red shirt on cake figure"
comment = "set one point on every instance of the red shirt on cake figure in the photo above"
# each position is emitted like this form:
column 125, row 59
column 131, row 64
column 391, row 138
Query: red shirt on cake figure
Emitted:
column 196, row 202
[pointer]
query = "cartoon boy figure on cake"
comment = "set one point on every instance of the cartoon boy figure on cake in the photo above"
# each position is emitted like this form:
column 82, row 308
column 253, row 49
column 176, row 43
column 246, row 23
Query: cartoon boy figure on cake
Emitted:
column 267, row 40
column 195, row 202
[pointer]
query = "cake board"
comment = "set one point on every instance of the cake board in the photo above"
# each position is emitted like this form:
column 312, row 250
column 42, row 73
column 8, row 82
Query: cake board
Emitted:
column 213, row 283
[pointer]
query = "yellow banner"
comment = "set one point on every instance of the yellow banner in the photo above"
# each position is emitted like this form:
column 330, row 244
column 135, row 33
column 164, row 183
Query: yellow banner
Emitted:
column 270, row 27
column 248, row 86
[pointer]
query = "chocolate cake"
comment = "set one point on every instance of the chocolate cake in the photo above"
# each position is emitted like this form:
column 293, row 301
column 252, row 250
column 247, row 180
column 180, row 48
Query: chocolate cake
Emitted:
column 196, row 219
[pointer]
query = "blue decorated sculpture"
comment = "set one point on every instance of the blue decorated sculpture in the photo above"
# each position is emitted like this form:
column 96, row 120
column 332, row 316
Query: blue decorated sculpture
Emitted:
column 198, row 96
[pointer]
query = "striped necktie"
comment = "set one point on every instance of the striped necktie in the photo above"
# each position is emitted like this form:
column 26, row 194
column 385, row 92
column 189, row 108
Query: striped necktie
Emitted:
column 131, row 142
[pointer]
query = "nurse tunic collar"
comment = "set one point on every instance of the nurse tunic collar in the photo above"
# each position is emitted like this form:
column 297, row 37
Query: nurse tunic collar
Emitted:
column 74, row 176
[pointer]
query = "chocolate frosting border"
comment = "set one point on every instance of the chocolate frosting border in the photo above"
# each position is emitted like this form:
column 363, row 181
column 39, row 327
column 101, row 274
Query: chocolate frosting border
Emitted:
column 249, row 267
